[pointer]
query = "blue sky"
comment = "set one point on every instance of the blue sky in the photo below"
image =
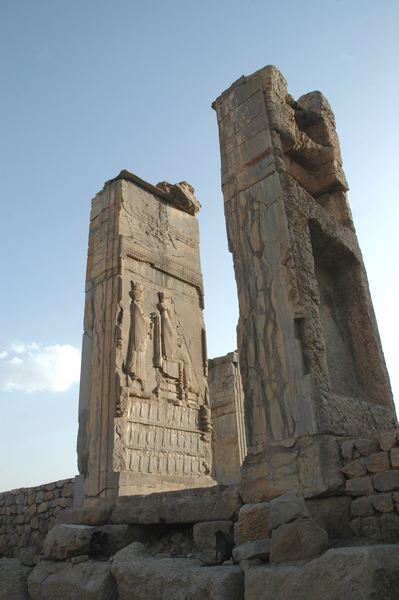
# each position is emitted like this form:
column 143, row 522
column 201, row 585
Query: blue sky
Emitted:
column 90, row 87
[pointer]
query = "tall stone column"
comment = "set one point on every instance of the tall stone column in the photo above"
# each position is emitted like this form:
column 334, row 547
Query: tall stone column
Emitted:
column 310, row 354
column 144, row 416
column 227, row 405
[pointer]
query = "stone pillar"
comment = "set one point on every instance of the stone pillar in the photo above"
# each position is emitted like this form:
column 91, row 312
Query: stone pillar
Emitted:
column 144, row 416
column 227, row 403
column 310, row 354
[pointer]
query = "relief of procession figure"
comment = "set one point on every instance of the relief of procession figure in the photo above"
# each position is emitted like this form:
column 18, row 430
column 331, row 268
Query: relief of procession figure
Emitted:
column 173, row 345
column 171, row 354
column 139, row 333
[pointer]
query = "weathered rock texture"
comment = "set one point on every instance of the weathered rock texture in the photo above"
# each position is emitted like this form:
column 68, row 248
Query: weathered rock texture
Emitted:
column 144, row 416
column 13, row 580
column 26, row 514
column 89, row 580
column 363, row 573
column 310, row 355
column 227, row 403
column 162, row 579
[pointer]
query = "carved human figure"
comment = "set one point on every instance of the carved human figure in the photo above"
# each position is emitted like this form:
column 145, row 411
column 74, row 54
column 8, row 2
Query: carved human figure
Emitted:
column 140, row 328
column 168, row 331
column 173, row 344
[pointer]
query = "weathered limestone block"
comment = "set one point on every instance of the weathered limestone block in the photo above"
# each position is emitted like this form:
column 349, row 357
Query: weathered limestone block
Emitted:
column 256, row 549
column 253, row 523
column 387, row 481
column 98, row 513
column 64, row 541
column 216, row 503
column 359, row 573
column 310, row 356
column 89, row 580
column 333, row 515
column 286, row 508
column 356, row 468
column 161, row 579
column 311, row 464
column 359, row 486
column 366, row 446
column 227, row 404
column 302, row 539
column 378, row 462
column 13, row 579
column 347, row 448
column 383, row 503
column 144, row 414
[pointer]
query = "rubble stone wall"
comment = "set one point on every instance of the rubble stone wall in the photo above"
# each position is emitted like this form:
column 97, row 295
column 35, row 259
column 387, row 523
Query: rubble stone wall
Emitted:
column 371, row 468
column 26, row 514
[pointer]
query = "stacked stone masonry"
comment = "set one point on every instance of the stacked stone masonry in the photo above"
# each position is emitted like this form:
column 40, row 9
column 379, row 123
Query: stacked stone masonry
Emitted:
column 371, row 468
column 27, row 514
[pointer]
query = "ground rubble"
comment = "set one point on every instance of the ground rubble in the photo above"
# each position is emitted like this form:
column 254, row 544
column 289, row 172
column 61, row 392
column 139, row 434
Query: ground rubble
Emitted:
column 280, row 549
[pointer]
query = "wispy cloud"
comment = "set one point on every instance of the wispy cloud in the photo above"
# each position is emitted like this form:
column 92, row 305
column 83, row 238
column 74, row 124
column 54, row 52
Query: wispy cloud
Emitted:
column 33, row 367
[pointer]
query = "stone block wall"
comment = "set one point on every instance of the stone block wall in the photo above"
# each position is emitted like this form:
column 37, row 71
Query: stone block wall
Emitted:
column 26, row 514
column 371, row 468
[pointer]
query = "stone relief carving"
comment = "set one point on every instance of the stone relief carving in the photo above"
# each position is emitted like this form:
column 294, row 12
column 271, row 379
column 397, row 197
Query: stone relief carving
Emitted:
column 140, row 332
column 175, row 357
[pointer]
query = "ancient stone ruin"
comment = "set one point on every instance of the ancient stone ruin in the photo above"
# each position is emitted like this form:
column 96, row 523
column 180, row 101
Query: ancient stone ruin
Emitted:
column 271, row 473
column 144, row 415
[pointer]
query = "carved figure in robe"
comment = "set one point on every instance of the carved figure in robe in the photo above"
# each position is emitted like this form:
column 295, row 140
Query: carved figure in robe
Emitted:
column 140, row 330
column 168, row 331
column 173, row 344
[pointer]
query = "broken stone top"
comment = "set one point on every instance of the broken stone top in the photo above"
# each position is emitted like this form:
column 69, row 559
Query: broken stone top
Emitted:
column 307, row 141
column 180, row 195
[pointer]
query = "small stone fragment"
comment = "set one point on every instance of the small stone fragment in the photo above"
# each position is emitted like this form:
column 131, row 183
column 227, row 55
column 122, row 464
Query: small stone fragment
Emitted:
column 300, row 540
column 366, row 446
column 385, row 482
column 359, row 486
column 387, row 440
column 249, row 563
column 65, row 541
column 29, row 556
column 378, row 462
column 356, row 468
column 286, row 508
column 394, row 455
column 347, row 450
column 253, row 523
column 383, row 502
column 257, row 549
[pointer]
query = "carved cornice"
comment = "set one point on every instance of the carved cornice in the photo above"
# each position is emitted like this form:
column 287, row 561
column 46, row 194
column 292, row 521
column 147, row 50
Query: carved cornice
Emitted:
column 169, row 268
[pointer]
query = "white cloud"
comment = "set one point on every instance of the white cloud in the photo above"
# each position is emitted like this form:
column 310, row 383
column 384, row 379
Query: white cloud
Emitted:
column 35, row 368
